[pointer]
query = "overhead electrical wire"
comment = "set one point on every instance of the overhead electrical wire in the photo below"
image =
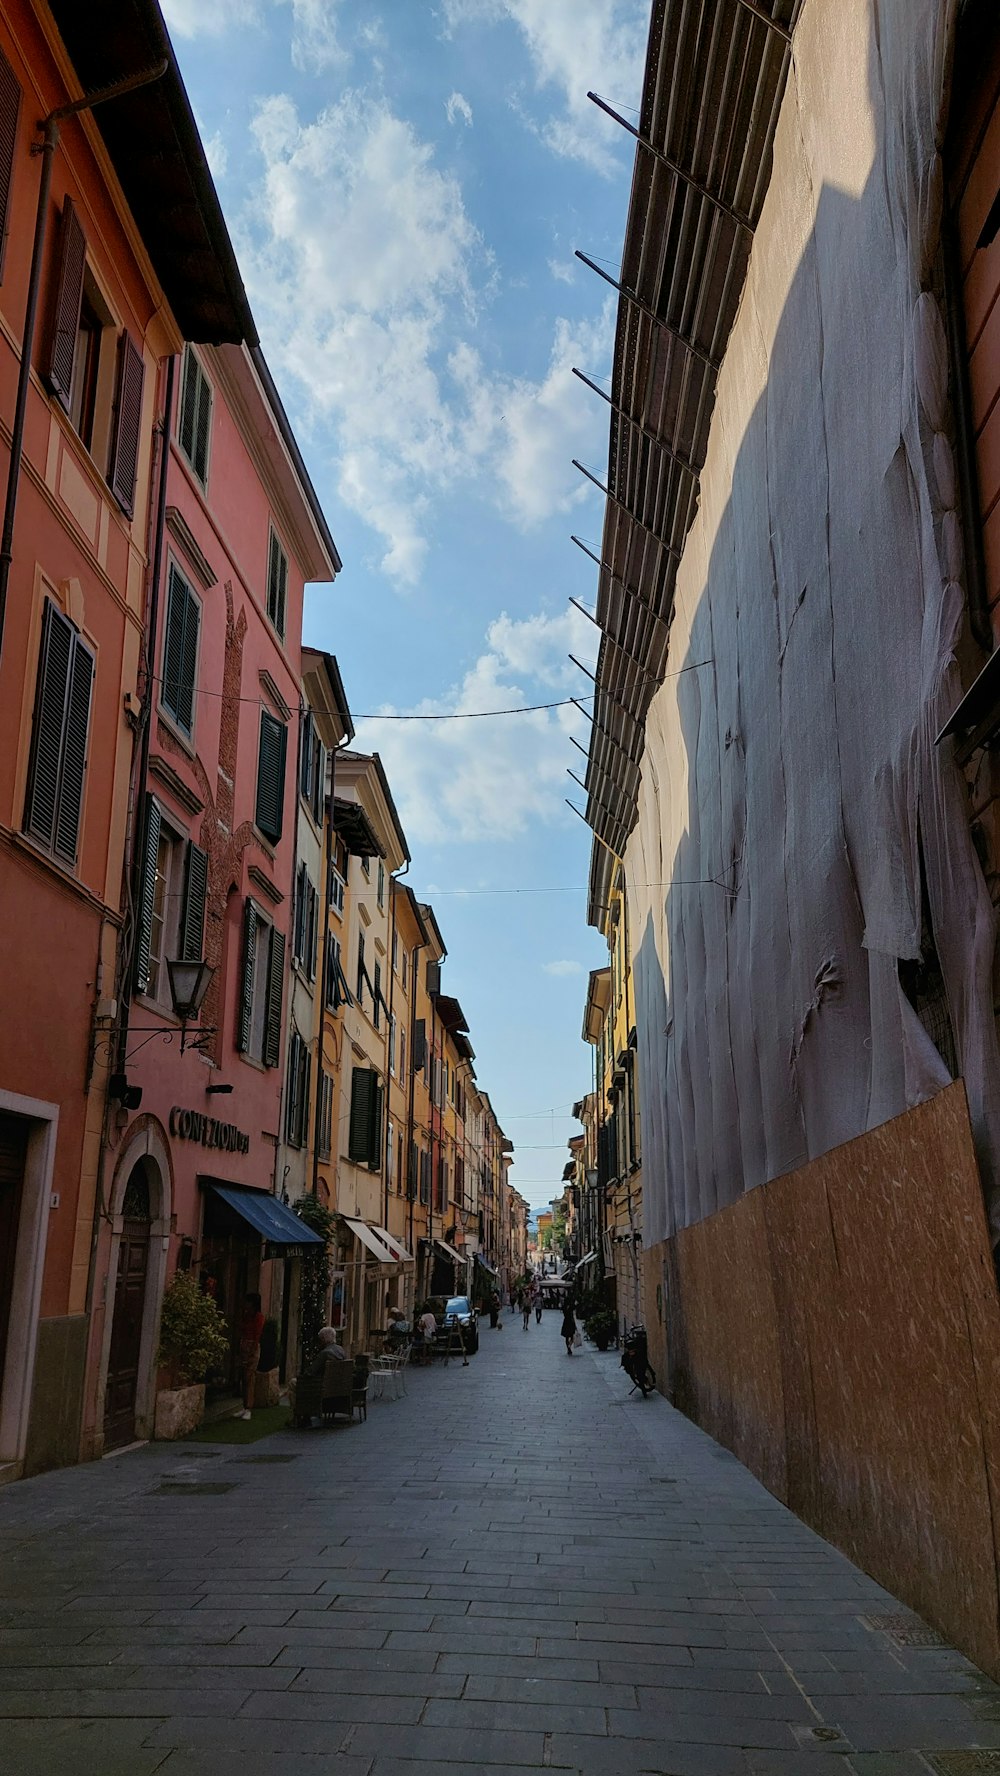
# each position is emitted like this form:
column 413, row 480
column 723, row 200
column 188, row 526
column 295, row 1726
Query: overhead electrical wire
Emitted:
column 446, row 715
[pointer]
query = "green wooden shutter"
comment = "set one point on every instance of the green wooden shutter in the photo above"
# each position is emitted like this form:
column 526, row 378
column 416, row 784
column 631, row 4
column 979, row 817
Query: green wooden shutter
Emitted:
column 293, row 1125
column 10, row 105
column 359, row 1129
column 275, row 988
column 180, row 650
column 277, row 584
column 271, row 776
column 189, row 404
column 305, row 1092
column 244, row 1010
column 202, row 427
column 74, row 753
column 128, row 416
column 147, row 886
column 193, row 911
column 72, row 257
column 48, row 722
column 307, row 742
column 375, row 1131
column 313, row 951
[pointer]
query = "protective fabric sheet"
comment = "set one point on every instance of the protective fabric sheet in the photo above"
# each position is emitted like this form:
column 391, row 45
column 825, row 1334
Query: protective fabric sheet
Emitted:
column 791, row 786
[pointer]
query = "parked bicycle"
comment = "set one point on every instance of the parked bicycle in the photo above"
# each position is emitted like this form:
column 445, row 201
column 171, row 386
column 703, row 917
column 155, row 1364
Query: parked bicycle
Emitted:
column 635, row 1361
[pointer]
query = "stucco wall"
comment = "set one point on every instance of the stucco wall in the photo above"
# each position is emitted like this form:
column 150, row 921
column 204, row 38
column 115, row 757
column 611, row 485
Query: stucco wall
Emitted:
column 839, row 1330
column 790, row 781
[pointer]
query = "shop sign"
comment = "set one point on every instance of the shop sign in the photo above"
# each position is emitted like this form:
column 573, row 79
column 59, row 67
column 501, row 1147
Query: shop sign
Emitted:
column 192, row 1125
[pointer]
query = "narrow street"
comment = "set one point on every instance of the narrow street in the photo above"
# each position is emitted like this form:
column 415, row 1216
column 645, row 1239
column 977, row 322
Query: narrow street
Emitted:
column 512, row 1568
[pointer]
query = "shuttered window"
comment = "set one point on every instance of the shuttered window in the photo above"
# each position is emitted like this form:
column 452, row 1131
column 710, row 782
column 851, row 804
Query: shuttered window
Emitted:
column 127, row 419
column 195, row 422
column 364, row 1141
column 325, row 1115
column 192, row 933
column 170, row 910
column 277, row 583
column 271, row 776
column 71, row 256
column 377, row 997
column 306, row 929
column 312, row 768
column 59, row 736
column 338, row 992
column 10, row 105
column 299, row 1080
column 180, row 651
column 261, row 988
column 362, row 970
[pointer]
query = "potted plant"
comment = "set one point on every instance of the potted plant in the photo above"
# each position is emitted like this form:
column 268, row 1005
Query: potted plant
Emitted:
column 601, row 1327
column 194, row 1338
column 265, row 1386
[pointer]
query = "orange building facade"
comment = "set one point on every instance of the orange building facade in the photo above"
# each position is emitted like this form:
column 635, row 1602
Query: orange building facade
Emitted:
column 114, row 299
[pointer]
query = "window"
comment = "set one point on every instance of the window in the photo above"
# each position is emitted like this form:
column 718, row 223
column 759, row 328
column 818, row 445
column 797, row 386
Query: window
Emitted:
column 377, row 1000
column 402, row 1054
column 459, row 1180
column 258, row 1021
column 403, row 975
column 380, row 893
column 180, row 651
column 338, row 992
column 392, row 1043
column 277, row 583
column 365, row 1130
column 362, row 971
column 442, row 1184
column 195, row 420
column 269, row 814
column 124, row 469
column 10, row 105
column 325, row 1115
column 399, row 1165
column 425, row 1176
column 312, row 768
column 297, row 1105
column 60, row 731
column 390, row 1151
column 305, row 934
column 366, row 866
column 395, row 952
column 170, row 916
column 337, row 887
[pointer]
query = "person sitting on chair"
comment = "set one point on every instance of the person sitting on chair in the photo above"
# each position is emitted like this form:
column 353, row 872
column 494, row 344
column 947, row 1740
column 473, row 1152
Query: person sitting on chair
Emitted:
column 328, row 1349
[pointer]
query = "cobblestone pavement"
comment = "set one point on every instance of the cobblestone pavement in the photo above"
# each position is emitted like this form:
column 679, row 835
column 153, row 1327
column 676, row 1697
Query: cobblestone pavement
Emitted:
column 513, row 1568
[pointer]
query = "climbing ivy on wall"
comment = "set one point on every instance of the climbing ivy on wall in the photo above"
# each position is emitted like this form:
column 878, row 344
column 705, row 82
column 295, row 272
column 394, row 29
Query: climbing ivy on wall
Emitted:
column 315, row 1275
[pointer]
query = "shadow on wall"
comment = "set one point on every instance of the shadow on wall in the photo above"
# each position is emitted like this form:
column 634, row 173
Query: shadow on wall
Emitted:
column 839, row 1330
column 800, row 837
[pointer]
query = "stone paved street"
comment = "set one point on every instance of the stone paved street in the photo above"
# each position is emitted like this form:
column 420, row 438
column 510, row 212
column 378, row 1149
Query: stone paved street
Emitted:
column 513, row 1568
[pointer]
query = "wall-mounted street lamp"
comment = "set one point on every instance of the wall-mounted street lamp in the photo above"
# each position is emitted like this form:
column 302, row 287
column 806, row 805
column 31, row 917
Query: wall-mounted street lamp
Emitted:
column 189, row 982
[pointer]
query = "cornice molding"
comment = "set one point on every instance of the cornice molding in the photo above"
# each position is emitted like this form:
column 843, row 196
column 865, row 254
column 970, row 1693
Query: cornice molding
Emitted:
column 175, row 785
column 181, row 532
column 265, row 885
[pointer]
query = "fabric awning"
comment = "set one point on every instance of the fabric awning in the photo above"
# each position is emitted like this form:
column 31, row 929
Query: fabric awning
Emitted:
column 394, row 1245
column 449, row 1251
column 490, row 1272
column 589, row 1258
column 277, row 1225
column 374, row 1239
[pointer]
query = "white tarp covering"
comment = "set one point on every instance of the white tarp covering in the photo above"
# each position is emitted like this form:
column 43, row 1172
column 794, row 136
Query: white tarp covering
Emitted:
column 790, row 785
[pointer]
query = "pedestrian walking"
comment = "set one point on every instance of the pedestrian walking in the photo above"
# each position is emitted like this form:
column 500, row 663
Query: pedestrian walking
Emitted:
column 251, row 1328
column 536, row 1296
column 526, row 1307
column 568, row 1328
column 494, row 1310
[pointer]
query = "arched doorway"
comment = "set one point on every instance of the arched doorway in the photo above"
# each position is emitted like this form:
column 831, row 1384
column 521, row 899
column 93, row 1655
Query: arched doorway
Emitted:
column 127, row 1318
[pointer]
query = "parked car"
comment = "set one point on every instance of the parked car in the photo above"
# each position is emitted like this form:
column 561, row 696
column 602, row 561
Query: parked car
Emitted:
column 459, row 1308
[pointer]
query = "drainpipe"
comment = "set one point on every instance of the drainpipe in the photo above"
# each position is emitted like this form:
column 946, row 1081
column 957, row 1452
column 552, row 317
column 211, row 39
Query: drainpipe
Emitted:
column 49, row 127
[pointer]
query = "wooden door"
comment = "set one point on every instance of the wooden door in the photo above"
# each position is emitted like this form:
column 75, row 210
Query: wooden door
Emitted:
column 13, row 1146
column 126, row 1326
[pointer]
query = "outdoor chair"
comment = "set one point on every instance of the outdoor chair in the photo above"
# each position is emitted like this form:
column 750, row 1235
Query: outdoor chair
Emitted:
column 359, row 1395
column 338, row 1390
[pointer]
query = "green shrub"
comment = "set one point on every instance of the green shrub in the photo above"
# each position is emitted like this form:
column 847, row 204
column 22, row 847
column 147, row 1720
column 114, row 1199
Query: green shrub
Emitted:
column 316, row 1271
column 194, row 1337
column 601, row 1325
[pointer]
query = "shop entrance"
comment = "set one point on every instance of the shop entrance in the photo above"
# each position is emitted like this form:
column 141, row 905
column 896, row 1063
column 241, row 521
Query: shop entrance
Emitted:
column 13, row 1147
column 130, row 1302
column 229, row 1269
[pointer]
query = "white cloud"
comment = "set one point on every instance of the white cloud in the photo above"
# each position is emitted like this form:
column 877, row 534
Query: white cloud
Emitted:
column 457, row 782
column 216, row 153
column 457, row 106
column 573, row 46
column 195, row 18
column 315, row 43
column 563, row 270
column 562, row 967
column 367, row 281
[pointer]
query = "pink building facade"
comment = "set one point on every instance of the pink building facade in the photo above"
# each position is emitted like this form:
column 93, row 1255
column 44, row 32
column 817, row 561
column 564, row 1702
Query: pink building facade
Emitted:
column 192, row 1177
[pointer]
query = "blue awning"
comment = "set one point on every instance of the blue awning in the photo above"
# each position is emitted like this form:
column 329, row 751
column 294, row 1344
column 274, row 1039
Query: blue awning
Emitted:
column 273, row 1220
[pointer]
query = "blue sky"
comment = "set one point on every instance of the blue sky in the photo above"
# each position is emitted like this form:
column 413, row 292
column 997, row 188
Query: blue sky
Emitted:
column 406, row 183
